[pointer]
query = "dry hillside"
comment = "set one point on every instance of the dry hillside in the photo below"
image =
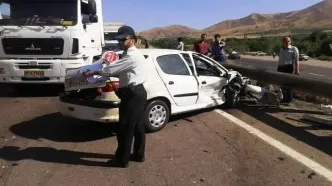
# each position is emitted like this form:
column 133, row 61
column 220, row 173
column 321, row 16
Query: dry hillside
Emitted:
column 318, row 16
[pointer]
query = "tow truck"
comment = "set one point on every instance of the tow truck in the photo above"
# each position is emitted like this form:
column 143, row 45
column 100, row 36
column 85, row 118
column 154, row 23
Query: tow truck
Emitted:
column 42, row 40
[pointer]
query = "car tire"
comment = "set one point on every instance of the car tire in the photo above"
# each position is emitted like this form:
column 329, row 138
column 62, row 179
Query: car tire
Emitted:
column 232, row 98
column 156, row 116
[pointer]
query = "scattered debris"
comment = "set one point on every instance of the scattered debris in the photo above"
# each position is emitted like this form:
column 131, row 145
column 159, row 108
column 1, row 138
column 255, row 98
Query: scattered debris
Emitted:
column 202, row 179
column 327, row 109
column 318, row 120
column 132, row 182
column 175, row 125
column 311, row 175
column 293, row 180
column 281, row 158
column 2, row 137
column 303, row 171
column 194, row 182
column 206, row 151
column 14, row 164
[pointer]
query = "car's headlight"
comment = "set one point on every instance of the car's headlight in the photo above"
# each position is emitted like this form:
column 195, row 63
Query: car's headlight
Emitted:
column 2, row 71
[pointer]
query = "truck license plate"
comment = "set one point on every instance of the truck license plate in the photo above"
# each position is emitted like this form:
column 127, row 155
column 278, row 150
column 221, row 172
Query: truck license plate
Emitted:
column 76, row 82
column 34, row 73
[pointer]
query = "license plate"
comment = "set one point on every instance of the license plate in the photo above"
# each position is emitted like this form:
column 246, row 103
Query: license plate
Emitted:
column 76, row 82
column 34, row 73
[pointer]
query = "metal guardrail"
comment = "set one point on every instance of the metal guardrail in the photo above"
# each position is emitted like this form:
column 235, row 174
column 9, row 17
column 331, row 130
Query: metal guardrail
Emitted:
column 318, row 87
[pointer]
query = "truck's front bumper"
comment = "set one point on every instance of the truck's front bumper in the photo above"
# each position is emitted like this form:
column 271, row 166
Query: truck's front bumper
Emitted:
column 53, row 70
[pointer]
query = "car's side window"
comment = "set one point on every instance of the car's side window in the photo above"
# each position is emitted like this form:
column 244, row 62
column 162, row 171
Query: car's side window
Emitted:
column 172, row 64
column 189, row 62
column 203, row 68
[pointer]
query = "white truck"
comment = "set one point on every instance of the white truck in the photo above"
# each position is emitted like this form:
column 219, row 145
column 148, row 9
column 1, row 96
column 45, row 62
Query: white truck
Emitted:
column 110, row 31
column 41, row 40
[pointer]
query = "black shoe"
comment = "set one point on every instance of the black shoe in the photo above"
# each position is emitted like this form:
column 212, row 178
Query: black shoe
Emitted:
column 137, row 158
column 115, row 163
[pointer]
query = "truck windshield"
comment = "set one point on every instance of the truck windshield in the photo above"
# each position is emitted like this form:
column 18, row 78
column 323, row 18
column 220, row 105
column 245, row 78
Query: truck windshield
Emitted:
column 38, row 12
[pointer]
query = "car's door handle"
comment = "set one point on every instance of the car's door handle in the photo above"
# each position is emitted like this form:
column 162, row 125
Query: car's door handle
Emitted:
column 171, row 82
column 203, row 82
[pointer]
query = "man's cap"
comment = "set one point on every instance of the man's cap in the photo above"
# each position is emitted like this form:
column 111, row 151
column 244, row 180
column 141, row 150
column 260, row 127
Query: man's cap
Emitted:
column 125, row 31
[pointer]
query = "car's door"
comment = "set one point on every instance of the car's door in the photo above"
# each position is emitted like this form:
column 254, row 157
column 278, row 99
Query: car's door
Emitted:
column 211, row 79
column 178, row 78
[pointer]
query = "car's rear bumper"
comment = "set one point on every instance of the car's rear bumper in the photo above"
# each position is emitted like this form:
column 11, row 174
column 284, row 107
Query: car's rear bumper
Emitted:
column 92, row 110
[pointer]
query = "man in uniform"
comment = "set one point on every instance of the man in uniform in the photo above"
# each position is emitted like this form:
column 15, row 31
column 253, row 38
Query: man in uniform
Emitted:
column 131, row 72
column 288, row 63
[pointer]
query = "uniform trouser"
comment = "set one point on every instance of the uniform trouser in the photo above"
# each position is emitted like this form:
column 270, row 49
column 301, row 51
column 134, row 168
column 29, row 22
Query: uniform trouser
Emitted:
column 131, row 124
column 287, row 92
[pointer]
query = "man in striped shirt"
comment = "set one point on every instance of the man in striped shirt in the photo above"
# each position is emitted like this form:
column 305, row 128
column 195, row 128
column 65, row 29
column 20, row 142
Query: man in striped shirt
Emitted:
column 288, row 63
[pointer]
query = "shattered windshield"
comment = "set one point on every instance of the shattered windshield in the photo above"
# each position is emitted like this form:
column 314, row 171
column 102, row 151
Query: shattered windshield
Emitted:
column 38, row 12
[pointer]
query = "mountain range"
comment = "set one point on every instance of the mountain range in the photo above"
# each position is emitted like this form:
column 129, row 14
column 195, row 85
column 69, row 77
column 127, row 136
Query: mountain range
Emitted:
column 316, row 17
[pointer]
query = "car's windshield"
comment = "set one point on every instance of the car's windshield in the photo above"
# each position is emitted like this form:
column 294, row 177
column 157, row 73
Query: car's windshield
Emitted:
column 38, row 12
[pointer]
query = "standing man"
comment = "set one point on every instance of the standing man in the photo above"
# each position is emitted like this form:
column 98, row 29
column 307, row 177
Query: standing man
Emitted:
column 218, row 52
column 288, row 63
column 180, row 44
column 146, row 43
column 202, row 46
column 131, row 72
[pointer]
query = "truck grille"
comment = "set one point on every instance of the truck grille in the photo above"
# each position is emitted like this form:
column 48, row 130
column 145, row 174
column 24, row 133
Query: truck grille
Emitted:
column 42, row 66
column 33, row 46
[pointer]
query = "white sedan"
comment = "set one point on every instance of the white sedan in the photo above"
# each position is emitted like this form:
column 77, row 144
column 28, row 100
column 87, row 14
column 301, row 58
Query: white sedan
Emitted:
column 177, row 82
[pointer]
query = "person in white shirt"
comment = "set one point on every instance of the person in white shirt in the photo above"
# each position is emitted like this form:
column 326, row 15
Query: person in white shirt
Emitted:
column 130, row 70
column 180, row 44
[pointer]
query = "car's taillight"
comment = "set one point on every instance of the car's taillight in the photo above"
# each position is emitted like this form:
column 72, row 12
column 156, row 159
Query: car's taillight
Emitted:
column 109, row 87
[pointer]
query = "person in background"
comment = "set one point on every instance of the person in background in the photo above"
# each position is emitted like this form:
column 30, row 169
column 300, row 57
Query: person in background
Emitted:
column 146, row 43
column 274, row 55
column 288, row 63
column 180, row 44
column 131, row 71
column 202, row 46
column 218, row 52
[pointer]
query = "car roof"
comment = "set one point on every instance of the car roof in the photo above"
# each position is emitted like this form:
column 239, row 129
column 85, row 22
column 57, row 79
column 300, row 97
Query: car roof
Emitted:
column 157, row 51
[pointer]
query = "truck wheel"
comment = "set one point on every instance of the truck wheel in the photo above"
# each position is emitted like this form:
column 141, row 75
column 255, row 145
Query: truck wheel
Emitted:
column 156, row 115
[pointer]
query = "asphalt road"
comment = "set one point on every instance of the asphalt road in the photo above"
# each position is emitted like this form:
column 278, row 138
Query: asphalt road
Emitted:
column 311, row 71
column 40, row 147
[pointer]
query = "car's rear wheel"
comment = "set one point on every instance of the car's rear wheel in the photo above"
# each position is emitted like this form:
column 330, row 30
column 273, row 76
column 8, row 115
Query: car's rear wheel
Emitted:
column 156, row 115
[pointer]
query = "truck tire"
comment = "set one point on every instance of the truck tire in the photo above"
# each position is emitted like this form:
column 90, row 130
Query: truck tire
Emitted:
column 156, row 116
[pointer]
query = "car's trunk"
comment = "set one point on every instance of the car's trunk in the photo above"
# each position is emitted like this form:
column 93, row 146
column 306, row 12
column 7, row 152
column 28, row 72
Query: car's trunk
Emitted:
column 84, row 94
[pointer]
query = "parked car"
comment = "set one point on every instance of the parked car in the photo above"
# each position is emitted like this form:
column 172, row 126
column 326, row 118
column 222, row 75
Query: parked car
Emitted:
column 260, row 53
column 234, row 55
column 303, row 57
column 177, row 82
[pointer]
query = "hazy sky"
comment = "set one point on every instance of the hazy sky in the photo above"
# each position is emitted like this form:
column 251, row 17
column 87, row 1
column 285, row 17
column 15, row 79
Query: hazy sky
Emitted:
column 146, row 14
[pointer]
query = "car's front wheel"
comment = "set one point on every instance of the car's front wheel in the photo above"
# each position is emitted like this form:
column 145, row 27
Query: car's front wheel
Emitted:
column 156, row 115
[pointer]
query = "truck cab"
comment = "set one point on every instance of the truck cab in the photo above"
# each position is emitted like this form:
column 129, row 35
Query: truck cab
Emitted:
column 41, row 40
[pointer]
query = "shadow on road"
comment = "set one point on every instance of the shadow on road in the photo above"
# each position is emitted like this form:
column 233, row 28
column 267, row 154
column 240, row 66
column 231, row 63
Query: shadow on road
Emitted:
column 45, row 90
column 51, row 155
column 322, row 143
column 55, row 127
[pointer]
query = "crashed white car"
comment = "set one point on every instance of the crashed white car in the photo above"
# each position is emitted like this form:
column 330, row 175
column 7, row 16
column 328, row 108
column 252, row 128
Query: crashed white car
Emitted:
column 177, row 82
